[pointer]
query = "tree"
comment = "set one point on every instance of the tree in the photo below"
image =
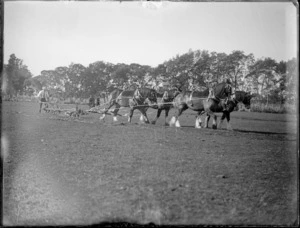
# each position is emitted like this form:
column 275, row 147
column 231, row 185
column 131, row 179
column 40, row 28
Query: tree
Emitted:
column 97, row 76
column 266, row 77
column 292, row 80
column 16, row 73
column 75, row 83
column 120, row 74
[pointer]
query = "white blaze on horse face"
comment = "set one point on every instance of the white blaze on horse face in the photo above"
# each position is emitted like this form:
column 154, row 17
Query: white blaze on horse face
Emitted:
column 115, row 119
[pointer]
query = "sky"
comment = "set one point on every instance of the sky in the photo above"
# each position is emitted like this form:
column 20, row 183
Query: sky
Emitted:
column 46, row 35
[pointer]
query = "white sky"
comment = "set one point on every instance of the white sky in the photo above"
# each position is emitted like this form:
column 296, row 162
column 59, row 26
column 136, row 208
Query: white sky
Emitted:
column 46, row 35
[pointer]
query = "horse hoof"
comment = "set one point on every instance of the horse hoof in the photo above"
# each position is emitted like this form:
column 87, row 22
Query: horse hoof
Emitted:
column 214, row 127
column 153, row 122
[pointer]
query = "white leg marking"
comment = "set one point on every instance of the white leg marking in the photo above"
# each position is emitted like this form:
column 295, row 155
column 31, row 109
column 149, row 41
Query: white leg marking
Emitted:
column 177, row 124
column 142, row 118
column 172, row 121
column 214, row 122
column 115, row 119
column 198, row 122
column 102, row 117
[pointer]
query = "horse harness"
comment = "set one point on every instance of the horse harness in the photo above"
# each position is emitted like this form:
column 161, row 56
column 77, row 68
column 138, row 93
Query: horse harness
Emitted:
column 138, row 98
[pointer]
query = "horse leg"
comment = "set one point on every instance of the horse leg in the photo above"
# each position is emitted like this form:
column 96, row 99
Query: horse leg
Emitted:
column 214, row 126
column 166, row 116
column 175, row 119
column 221, row 120
column 144, row 114
column 105, row 111
column 206, row 120
column 41, row 104
column 228, row 123
column 130, row 114
column 157, row 115
column 198, row 121
column 116, row 110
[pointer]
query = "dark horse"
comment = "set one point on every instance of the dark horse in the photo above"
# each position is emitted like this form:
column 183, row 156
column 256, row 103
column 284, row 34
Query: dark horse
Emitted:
column 211, row 107
column 141, row 99
column 195, row 101
column 166, row 103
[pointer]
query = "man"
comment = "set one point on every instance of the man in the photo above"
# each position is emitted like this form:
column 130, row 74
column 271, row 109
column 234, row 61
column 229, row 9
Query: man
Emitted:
column 224, row 104
column 91, row 101
column 43, row 97
column 212, row 95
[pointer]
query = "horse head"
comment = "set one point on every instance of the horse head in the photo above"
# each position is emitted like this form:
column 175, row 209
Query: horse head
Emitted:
column 142, row 94
column 244, row 97
column 169, row 95
column 222, row 90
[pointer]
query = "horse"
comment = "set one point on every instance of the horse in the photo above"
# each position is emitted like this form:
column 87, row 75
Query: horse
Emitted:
column 141, row 99
column 211, row 107
column 194, row 100
column 166, row 103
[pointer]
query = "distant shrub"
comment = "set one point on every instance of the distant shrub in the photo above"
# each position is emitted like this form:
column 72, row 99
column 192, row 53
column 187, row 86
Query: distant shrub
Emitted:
column 273, row 108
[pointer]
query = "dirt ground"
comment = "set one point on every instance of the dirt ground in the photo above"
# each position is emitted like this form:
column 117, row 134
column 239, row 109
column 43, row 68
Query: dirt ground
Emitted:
column 58, row 170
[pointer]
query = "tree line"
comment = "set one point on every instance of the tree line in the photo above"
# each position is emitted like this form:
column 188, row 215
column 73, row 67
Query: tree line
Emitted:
column 269, row 80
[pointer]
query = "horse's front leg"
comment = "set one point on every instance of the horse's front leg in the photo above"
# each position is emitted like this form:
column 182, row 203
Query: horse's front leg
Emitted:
column 166, row 116
column 175, row 119
column 228, row 122
column 116, row 110
column 206, row 120
column 214, row 126
column 221, row 120
column 145, row 117
column 105, row 111
column 157, row 115
column 130, row 114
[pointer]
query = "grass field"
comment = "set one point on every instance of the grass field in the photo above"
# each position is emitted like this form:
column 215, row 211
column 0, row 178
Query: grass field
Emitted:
column 61, row 170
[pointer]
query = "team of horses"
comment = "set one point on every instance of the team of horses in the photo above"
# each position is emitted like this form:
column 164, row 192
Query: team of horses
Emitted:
column 201, row 102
